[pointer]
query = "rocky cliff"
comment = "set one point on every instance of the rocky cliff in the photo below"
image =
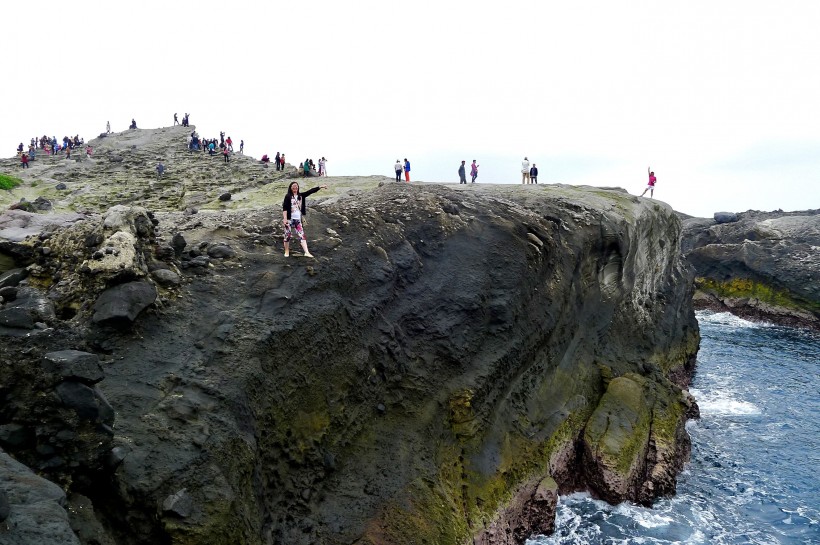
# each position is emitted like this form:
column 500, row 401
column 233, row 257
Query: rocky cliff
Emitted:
column 759, row 265
column 452, row 359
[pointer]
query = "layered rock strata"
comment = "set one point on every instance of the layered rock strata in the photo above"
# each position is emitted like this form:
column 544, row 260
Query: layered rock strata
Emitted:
column 453, row 359
column 449, row 355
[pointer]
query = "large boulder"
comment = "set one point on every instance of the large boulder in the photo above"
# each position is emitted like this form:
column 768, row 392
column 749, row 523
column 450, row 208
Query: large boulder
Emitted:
column 12, row 277
column 89, row 403
column 74, row 365
column 36, row 512
column 123, row 303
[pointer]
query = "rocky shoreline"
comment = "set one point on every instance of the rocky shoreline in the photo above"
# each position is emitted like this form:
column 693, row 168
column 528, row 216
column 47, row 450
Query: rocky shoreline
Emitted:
column 763, row 266
column 451, row 361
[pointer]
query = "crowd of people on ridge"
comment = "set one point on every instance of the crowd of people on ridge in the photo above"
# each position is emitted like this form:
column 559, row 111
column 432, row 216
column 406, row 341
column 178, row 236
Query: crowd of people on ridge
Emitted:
column 49, row 146
column 224, row 147
column 294, row 204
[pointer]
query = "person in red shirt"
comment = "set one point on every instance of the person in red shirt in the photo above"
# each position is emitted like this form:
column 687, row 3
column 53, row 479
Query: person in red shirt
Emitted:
column 651, row 185
column 24, row 160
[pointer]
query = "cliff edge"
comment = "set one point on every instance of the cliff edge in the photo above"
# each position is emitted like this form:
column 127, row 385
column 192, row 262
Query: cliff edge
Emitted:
column 453, row 359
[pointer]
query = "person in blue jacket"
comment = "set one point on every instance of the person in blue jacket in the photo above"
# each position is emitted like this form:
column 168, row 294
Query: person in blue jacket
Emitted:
column 534, row 174
column 406, row 170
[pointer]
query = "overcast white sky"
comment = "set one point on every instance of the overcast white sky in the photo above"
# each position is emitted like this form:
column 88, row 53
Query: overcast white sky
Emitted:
column 720, row 97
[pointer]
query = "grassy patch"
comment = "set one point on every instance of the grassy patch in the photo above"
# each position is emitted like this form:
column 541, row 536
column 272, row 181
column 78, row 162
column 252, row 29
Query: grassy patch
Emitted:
column 8, row 182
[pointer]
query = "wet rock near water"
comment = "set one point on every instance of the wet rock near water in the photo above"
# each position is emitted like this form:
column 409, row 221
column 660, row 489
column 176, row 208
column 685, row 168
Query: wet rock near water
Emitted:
column 758, row 265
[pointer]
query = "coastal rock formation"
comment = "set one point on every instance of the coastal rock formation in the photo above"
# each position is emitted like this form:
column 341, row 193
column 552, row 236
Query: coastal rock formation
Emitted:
column 758, row 265
column 452, row 359
column 32, row 509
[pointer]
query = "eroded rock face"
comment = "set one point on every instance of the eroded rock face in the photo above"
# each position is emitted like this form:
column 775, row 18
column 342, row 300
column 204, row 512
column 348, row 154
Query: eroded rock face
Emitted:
column 531, row 512
column 34, row 508
column 762, row 266
column 439, row 372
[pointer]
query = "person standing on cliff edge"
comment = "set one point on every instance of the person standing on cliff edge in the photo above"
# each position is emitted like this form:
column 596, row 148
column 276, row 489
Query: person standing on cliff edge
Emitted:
column 406, row 170
column 398, row 168
column 473, row 171
column 294, row 209
column 525, row 171
column 651, row 184
column 462, row 174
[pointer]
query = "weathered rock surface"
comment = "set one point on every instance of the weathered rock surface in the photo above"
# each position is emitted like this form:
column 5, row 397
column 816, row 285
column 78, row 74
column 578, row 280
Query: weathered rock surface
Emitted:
column 451, row 359
column 124, row 302
column 762, row 265
column 34, row 508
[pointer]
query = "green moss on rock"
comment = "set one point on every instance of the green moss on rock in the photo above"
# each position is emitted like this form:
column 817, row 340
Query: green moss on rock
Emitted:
column 744, row 288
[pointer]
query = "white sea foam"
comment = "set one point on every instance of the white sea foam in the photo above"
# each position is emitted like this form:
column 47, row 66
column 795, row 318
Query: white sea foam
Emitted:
column 647, row 519
column 723, row 403
column 729, row 320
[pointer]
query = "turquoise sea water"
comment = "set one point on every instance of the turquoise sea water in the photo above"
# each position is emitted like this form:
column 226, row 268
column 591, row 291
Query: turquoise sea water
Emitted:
column 754, row 477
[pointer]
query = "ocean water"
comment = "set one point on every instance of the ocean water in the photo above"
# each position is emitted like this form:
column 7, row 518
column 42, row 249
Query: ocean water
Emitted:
column 754, row 477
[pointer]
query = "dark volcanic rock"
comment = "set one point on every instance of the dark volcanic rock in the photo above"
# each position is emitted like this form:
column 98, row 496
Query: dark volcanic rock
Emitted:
column 5, row 506
column 178, row 243
column 179, row 504
column 88, row 402
column 12, row 277
column 725, row 217
column 41, row 203
column 17, row 318
column 165, row 277
column 124, row 302
column 8, row 293
column 74, row 364
column 764, row 265
column 35, row 508
column 13, row 435
column 221, row 251
column 445, row 358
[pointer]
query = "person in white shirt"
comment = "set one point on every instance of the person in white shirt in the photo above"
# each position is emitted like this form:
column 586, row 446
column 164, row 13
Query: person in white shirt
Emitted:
column 525, row 171
column 398, row 167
